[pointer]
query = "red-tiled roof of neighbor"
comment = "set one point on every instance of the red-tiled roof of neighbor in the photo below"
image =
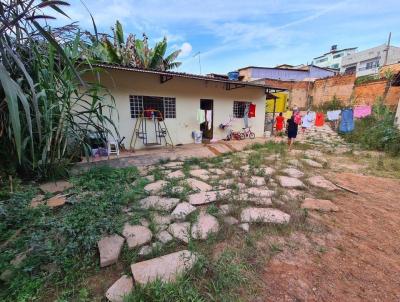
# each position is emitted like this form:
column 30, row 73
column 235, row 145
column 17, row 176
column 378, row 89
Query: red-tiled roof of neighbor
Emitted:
column 178, row 74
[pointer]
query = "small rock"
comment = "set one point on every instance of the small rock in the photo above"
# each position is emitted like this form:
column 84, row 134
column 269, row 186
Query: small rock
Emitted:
column 217, row 171
column 161, row 219
column 244, row 226
column 202, row 198
column 266, row 215
column 38, row 200
column 173, row 164
column 176, row 175
column 260, row 192
column 177, row 190
column 205, row 225
column 150, row 178
column 196, row 184
column 230, row 220
column 165, row 268
column 200, row 173
column 180, row 230
column 292, row 172
column 145, row 250
column 225, row 209
column 158, row 203
column 136, row 235
column 257, row 181
column 164, row 237
column 182, row 210
column 122, row 287
column 312, row 163
column 267, row 171
column 290, row 182
column 56, row 201
column 156, row 187
column 294, row 162
column 55, row 187
column 321, row 182
column 227, row 182
column 110, row 248
column 144, row 222
column 319, row 205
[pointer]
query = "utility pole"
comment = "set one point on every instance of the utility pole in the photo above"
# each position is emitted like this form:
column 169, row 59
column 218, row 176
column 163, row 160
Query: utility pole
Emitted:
column 387, row 49
column 195, row 55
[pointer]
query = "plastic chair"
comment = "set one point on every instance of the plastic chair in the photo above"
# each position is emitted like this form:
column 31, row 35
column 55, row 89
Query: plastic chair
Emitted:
column 112, row 148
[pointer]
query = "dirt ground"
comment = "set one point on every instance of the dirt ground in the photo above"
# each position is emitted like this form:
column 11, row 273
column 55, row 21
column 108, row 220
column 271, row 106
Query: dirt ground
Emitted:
column 352, row 255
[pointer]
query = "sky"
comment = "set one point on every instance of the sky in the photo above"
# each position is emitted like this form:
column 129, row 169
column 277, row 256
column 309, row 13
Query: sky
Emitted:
column 231, row 34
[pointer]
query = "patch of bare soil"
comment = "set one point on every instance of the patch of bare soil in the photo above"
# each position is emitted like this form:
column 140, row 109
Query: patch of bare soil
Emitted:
column 355, row 258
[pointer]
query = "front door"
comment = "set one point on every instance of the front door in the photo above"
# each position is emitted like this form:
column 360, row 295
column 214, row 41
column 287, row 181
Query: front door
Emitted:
column 207, row 125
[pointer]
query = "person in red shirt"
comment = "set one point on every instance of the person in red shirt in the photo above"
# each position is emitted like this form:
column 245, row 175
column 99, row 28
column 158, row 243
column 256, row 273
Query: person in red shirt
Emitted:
column 279, row 122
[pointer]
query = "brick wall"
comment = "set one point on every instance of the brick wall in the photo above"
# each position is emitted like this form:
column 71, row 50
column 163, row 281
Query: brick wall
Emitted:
column 299, row 94
column 367, row 94
column 325, row 89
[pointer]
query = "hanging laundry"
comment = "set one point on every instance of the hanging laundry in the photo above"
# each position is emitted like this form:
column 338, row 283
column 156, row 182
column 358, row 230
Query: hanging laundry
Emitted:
column 288, row 114
column 252, row 110
column 209, row 118
column 333, row 115
column 308, row 119
column 297, row 117
column 319, row 119
column 201, row 117
column 347, row 121
column 362, row 111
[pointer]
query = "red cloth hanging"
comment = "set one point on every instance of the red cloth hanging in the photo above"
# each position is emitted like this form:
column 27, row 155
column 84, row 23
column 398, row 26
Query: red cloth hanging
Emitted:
column 319, row 119
column 252, row 110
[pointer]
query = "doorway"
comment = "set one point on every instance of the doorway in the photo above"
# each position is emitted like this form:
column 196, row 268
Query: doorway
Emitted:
column 208, row 125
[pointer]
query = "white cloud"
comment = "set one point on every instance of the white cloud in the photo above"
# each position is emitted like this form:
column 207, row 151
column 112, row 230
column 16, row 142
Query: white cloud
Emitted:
column 186, row 49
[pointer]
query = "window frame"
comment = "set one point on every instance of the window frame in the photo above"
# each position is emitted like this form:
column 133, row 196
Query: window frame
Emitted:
column 137, row 105
column 237, row 110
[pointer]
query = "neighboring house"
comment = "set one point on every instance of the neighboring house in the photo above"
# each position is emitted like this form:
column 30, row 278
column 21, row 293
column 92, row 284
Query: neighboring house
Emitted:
column 333, row 58
column 369, row 61
column 179, row 97
column 252, row 73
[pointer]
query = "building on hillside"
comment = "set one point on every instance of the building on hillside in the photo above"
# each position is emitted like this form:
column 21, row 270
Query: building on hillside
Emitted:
column 369, row 61
column 333, row 58
column 252, row 73
column 180, row 98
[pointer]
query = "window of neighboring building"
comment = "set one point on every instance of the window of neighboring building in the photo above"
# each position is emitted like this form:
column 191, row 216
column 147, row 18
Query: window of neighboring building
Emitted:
column 239, row 108
column 372, row 64
column 335, row 65
column 322, row 60
column 338, row 55
column 166, row 105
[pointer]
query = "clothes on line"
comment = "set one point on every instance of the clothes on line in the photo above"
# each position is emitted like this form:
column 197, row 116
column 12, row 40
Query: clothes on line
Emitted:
column 246, row 116
column 319, row 119
column 252, row 110
column 333, row 115
column 308, row 119
column 209, row 118
column 201, row 116
column 347, row 121
column 362, row 111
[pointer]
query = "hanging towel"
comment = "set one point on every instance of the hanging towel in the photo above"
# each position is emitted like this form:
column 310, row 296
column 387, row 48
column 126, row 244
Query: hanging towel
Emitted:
column 362, row 111
column 201, row 117
column 333, row 115
column 308, row 119
column 319, row 119
column 347, row 121
column 252, row 110
column 209, row 118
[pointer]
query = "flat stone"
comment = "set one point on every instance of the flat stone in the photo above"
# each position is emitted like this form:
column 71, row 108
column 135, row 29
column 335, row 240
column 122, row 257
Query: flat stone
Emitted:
column 55, row 186
column 150, row 178
column 173, row 164
column 196, row 184
column 156, row 187
column 165, row 268
column 177, row 190
column 144, row 222
column 161, row 219
column 136, row 235
column 262, row 201
column 244, row 226
column 176, row 175
column 294, row 162
column 202, row 198
column 204, row 226
column 227, row 182
column 230, row 220
column 257, row 181
column 217, row 171
column 109, row 249
column 322, row 205
column 164, row 237
column 290, row 182
column 260, row 192
column 145, row 250
column 312, row 163
column 268, row 171
column 321, row 182
column 158, row 203
column 245, row 168
column 56, row 201
column 180, row 230
column 292, row 172
column 122, row 287
column 182, row 210
column 200, row 173
column 225, row 209
column 266, row 215
column 37, row 201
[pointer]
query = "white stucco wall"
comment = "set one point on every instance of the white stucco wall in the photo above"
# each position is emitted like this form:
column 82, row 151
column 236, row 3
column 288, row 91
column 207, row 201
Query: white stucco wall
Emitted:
column 188, row 93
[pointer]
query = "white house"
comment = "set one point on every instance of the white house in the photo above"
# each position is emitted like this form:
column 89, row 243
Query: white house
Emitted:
column 180, row 97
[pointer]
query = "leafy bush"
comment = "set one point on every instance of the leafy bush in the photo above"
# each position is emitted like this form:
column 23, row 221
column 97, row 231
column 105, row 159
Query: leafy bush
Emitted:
column 366, row 79
column 334, row 104
column 377, row 132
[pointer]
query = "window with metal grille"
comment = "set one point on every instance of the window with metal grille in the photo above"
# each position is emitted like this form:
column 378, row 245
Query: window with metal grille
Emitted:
column 239, row 108
column 165, row 105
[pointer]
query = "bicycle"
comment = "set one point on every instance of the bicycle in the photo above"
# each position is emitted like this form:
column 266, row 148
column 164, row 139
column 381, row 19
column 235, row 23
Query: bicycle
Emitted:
column 247, row 133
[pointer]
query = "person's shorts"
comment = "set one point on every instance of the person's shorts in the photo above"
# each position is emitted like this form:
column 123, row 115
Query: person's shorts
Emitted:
column 292, row 134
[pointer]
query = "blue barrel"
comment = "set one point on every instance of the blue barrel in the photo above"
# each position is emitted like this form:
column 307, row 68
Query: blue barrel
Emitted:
column 233, row 75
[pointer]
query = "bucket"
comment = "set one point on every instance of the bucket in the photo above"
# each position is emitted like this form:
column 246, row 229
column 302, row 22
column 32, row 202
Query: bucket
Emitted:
column 233, row 75
column 197, row 136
